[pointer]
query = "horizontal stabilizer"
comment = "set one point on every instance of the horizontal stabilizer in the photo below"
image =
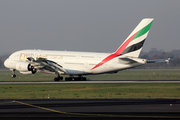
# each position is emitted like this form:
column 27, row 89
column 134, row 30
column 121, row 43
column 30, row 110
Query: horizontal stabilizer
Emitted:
column 158, row 60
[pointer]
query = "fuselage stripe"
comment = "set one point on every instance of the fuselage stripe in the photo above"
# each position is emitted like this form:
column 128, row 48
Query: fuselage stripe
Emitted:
column 134, row 47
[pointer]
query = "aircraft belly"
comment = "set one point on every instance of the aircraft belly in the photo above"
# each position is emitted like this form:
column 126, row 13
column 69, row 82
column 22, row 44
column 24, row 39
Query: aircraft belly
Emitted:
column 77, row 70
column 74, row 72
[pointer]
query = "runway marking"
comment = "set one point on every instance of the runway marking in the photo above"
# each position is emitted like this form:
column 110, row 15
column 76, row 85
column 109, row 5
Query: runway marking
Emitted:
column 39, row 107
column 99, row 115
column 6, row 102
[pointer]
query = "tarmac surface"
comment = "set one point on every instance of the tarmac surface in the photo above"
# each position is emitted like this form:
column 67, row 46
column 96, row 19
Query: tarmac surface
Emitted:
column 91, row 108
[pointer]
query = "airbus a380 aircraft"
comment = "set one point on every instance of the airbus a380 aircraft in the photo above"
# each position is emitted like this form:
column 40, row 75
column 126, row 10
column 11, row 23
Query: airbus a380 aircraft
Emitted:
column 83, row 63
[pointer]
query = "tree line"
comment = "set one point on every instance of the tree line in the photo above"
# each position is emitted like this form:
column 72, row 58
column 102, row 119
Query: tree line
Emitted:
column 154, row 53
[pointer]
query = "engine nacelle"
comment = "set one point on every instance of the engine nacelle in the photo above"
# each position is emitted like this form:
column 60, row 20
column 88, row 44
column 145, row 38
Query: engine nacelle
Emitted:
column 26, row 73
column 23, row 66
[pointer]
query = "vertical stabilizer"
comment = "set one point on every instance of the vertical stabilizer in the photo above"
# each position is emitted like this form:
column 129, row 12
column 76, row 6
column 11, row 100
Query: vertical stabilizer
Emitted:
column 133, row 44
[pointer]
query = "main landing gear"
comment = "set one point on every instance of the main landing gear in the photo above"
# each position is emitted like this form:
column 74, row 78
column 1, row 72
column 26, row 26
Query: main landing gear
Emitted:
column 79, row 78
column 58, row 78
column 13, row 75
column 72, row 78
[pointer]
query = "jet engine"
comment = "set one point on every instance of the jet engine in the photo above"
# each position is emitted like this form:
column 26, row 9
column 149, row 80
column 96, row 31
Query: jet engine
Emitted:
column 25, row 67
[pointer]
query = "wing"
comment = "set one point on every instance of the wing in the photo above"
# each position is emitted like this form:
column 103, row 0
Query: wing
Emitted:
column 45, row 65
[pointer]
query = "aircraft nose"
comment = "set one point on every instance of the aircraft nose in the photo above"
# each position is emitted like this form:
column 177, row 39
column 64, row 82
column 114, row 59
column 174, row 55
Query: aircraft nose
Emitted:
column 6, row 63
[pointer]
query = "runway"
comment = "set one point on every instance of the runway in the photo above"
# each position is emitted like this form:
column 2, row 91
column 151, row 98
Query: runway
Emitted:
column 93, row 81
column 106, row 108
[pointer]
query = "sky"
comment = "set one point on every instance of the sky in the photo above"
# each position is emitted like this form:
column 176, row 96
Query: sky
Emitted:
column 86, row 25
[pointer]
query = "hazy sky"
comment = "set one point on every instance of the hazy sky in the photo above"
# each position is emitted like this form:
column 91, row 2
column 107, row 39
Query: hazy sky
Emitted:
column 86, row 25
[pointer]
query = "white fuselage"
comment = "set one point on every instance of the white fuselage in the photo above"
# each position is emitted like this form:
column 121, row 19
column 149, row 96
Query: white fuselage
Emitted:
column 75, row 63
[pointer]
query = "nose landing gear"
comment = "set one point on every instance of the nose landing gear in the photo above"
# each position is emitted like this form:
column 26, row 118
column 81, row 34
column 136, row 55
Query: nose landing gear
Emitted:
column 13, row 75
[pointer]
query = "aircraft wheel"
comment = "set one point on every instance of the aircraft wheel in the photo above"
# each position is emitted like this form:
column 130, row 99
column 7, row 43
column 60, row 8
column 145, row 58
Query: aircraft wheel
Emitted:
column 80, row 78
column 76, row 79
column 13, row 75
column 84, row 79
column 56, row 79
column 67, row 79
column 61, row 78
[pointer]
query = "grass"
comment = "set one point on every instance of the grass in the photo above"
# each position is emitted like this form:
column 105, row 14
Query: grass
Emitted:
column 91, row 90
column 140, row 75
column 122, row 75
column 95, row 91
column 6, row 76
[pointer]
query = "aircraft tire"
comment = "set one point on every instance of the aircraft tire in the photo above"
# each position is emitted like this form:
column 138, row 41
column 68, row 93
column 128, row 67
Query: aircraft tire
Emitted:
column 61, row 78
column 13, row 75
column 67, row 79
column 56, row 79
column 84, row 79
